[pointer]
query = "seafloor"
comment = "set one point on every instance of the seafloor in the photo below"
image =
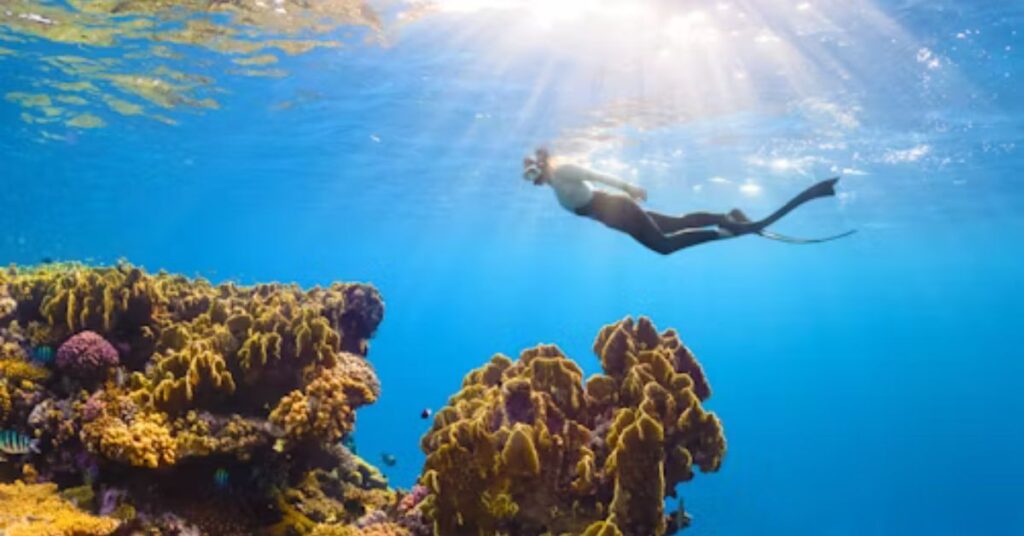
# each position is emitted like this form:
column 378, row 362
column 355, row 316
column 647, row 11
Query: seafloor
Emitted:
column 138, row 403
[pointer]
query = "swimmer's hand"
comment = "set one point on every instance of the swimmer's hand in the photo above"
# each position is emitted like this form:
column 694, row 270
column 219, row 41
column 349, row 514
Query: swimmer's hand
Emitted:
column 636, row 192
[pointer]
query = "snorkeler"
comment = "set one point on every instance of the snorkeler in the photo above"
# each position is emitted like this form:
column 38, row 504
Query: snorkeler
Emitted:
column 574, row 188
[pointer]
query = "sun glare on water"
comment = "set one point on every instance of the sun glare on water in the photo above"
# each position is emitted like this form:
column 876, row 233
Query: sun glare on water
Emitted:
column 636, row 67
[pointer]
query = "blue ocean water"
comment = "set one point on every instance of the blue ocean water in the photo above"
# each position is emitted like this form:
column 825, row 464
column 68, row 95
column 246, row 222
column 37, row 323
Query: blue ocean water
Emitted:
column 867, row 386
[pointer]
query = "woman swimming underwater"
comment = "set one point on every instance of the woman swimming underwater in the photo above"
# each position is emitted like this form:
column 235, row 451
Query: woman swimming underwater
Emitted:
column 574, row 188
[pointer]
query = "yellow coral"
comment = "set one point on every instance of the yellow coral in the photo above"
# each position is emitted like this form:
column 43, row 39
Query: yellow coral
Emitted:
column 637, row 463
column 195, row 436
column 602, row 528
column 5, row 401
column 10, row 351
column 197, row 372
column 17, row 370
column 37, row 510
column 325, row 410
column 145, row 442
column 519, row 453
column 98, row 299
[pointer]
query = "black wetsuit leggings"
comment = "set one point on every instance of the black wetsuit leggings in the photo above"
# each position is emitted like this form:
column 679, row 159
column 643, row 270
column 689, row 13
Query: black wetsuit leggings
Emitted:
column 660, row 233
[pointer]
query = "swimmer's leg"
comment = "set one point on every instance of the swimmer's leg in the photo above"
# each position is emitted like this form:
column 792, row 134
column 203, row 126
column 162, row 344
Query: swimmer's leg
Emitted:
column 623, row 214
column 671, row 224
column 671, row 243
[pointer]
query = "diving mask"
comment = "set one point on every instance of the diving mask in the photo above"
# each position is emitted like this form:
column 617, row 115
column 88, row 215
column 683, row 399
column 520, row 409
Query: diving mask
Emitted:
column 531, row 170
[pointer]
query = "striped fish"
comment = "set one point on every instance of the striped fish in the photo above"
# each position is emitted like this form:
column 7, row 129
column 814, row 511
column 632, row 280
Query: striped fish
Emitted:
column 16, row 443
column 220, row 478
column 42, row 354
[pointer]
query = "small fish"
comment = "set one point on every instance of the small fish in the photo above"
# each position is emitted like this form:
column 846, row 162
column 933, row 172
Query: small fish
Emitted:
column 389, row 459
column 425, row 414
column 46, row 260
column 16, row 443
column 679, row 519
column 220, row 478
column 42, row 354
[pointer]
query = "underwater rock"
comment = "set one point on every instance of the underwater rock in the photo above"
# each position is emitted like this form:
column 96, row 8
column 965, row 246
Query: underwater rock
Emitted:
column 527, row 447
column 86, row 355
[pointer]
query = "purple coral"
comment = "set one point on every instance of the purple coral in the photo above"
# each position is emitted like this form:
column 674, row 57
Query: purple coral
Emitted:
column 93, row 408
column 86, row 355
column 413, row 498
column 410, row 516
column 110, row 499
column 374, row 517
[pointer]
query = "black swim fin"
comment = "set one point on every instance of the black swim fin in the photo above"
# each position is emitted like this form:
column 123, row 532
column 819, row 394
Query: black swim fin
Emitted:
column 793, row 240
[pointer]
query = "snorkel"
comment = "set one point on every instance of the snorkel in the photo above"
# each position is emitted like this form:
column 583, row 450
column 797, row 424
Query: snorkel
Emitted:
column 535, row 170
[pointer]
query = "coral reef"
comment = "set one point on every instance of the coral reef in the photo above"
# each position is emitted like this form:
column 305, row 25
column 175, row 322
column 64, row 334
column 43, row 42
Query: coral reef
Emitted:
column 160, row 372
column 527, row 448
column 175, row 406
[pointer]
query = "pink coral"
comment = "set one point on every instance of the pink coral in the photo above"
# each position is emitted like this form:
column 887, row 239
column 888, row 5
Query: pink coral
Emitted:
column 413, row 498
column 86, row 355
column 93, row 408
column 411, row 516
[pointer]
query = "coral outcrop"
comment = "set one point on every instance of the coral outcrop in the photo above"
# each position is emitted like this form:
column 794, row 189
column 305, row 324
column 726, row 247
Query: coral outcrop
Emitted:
column 526, row 447
column 162, row 372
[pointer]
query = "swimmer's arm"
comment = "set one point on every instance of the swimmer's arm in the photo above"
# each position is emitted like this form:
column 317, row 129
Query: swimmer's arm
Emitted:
column 633, row 190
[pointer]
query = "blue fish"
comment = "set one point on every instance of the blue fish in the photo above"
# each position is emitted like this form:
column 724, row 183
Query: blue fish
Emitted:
column 42, row 354
column 220, row 478
column 16, row 443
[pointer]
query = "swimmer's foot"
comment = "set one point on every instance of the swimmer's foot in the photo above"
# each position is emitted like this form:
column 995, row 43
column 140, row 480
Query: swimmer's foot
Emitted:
column 738, row 216
column 737, row 223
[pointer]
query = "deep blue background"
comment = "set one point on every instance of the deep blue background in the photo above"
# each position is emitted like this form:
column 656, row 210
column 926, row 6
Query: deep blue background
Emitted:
column 867, row 386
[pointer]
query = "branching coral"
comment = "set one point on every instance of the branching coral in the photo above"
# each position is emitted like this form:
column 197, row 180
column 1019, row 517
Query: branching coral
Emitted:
column 37, row 510
column 195, row 374
column 99, row 299
column 526, row 448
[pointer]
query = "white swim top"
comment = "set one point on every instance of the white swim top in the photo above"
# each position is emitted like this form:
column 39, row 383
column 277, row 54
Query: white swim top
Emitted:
column 572, row 185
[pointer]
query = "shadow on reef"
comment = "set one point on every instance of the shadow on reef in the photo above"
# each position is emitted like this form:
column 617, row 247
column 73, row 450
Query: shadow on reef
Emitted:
column 172, row 406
